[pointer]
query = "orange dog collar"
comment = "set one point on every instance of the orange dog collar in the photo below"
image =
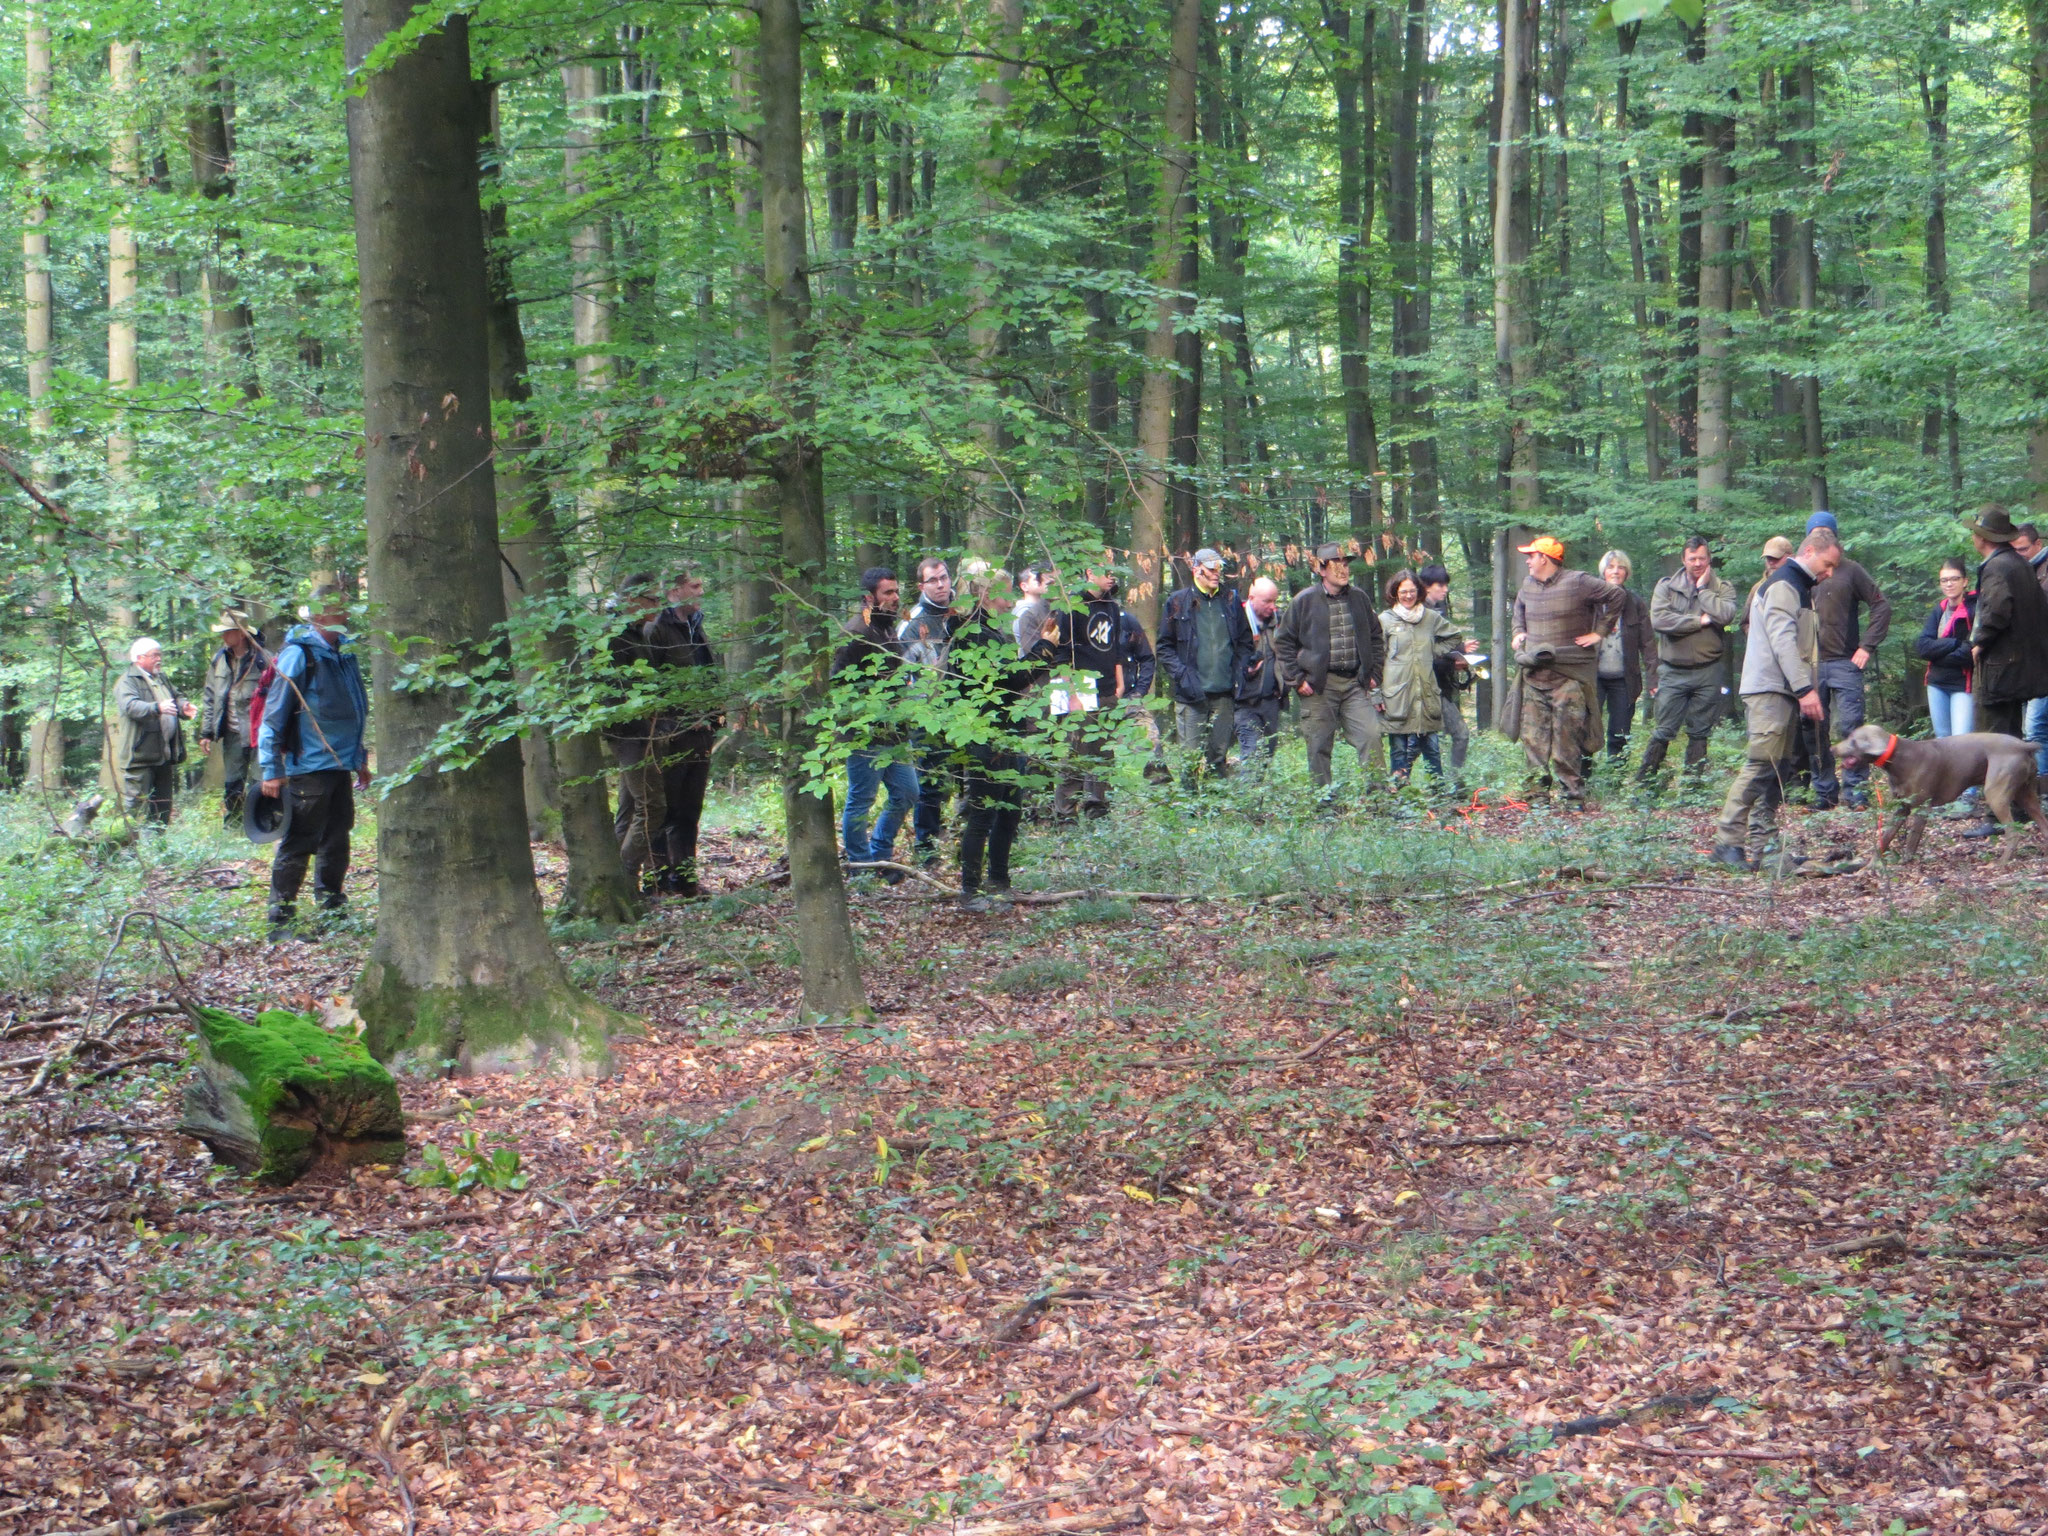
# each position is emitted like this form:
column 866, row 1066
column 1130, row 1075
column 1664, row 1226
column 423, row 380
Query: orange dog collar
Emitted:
column 1890, row 746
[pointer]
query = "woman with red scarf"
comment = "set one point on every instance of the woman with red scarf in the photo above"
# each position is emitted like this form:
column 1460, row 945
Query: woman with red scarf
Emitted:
column 1944, row 644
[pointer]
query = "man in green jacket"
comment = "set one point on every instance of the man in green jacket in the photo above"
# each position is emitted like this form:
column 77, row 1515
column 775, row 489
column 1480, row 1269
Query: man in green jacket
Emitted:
column 231, row 679
column 149, row 743
column 1690, row 611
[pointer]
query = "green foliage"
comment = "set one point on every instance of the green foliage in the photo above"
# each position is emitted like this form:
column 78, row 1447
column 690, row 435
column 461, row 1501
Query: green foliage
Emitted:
column 1043, row 973
column 476, row 1166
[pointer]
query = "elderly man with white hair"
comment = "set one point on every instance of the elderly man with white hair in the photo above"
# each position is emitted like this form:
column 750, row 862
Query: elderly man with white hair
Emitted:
column 148, row 740
column 1259, row 694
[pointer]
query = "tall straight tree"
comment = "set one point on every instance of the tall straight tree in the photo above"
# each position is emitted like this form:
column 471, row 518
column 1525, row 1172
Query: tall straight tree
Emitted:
column 1940, row 419
column 1407, row 197
column 39, row 307
column 994, row 507
column 1514, row 321
column 2037, row 232
column 1352, row 60
column 1717, row 291
column 1641, row 240
column 123, row 62
column 826, row 957
column 1173, row 212
column 461, row 970
column 209, row 144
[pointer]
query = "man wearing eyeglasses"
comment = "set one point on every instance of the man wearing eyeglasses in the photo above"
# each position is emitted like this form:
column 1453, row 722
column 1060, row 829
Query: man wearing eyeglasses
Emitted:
column 926, row 636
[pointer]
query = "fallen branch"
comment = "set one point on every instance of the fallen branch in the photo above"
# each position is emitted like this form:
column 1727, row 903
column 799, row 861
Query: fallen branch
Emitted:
column 906, row 869
column 1892, row 1242
column 1598, row 1423
column 1078, row 1395
column 1294, row 1059
column 1478, row 1141
column 1050, row 1525
column 1790, row 1453
column 146, row 1059
column 149, row 1520
column 1026, row 1312
column 130, row 1366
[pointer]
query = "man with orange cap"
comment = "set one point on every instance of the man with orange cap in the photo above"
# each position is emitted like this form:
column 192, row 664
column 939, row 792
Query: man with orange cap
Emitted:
column 1560, row 618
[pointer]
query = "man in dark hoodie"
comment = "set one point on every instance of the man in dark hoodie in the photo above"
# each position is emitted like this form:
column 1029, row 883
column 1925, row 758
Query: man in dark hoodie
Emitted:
column 1204, row 644
column 676, row 645
column 1091, row 641
column 1847, row 642
column 868, row 669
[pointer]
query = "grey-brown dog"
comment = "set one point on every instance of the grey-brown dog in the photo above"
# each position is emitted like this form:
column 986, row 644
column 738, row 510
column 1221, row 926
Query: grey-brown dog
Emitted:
column 1925, row 773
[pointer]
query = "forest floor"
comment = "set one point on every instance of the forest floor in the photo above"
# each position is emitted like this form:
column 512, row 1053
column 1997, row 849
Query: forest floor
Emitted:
column 1475, row 1171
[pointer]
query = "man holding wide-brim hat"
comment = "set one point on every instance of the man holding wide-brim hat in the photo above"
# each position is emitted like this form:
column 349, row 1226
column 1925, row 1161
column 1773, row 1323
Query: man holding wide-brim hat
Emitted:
column 231, row 679
column 1561, row 616
column 2009, row 643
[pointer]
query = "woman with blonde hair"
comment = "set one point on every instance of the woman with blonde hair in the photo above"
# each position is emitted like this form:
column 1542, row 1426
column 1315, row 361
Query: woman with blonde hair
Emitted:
column 1628, row 656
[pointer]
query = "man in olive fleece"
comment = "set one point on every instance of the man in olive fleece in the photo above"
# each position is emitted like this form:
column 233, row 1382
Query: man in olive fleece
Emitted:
column 1690, row 611
column 1846, row 647
column 1560, row 618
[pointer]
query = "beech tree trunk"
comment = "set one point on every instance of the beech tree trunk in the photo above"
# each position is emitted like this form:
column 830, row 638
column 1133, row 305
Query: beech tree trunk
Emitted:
column 227, row 325
column 537, row 565
column 1638, row 236
column 1174, row 211
column 1352, row 59
column 39, row 304
column 1940, row 420
column 123, row 62
column 461, row 971
column 1514, row 349
column 1414, row 409
column 1806, row 276
column 2037, row 232
column 827, row 960
column 1717, row 290
column 992, row 507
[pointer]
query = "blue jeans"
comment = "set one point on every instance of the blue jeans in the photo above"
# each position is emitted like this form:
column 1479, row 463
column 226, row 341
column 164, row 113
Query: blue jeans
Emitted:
column 1954, row 712
column 2037, row 732
column 1841, row 690
column 864, row 772
column 1406, row 747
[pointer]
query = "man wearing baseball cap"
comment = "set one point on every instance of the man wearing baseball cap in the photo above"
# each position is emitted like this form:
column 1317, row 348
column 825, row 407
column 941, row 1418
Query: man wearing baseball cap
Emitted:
column 1330, row 646
column 1561, row 616
column 1204, row 643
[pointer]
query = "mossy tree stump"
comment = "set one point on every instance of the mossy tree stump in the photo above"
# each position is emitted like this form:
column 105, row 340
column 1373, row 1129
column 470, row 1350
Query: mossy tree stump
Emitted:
column 279, row 1096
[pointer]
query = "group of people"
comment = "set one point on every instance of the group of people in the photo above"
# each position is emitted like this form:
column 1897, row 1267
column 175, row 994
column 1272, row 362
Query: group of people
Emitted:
column 296, row 721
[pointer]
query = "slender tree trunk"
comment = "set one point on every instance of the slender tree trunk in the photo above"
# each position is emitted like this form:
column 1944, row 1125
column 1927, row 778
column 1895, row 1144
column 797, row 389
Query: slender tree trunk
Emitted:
column 1414, row 412
column 829, row 965
column 537, row 567
column 1940, row 421
column 1806, row 269
column 1717, row 288
column 39, row 306
column 1098, row 504
column 993, row 507
column 590, row 243
column 1632, row 213
column 461, row 970
column 2037, row 231
column 1514, row 349
column 1185, row 514
column 124, row 60
column 753, row 594
column 1155, row 401
column 1693, row 129
column 228, row 326
column 1356, row 176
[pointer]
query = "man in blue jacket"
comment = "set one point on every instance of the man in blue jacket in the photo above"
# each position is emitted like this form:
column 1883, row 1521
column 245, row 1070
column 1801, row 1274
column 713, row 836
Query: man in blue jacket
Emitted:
column 311, row 745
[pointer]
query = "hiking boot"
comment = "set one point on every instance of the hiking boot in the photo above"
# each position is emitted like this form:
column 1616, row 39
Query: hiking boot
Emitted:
column 280, row 920
column 1729, row 854
column 1983, row 829
column 974, row 901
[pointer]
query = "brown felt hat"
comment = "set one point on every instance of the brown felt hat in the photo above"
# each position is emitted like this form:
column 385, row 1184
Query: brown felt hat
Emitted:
column 1994, row 523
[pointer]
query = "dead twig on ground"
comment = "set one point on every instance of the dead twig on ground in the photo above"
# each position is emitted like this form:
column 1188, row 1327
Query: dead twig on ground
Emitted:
column 1052, row 1525
column 150, row 1520
column 1789, row 1453
column 1078, row 1395
column 1597, row 1423
column 1026, row 1312
column 1291, row 1059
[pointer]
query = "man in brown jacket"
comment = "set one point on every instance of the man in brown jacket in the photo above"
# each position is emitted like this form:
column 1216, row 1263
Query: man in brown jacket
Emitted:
column 1329, row 647
column 2027, row 540
column 1560, row 618
column 2009, row 643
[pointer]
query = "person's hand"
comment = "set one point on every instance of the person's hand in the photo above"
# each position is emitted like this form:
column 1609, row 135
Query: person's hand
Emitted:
column 1976, row 654
column 1650, row 692
column 205, row 746
column 1471, row 647
column 1590, row 639
column 189, row 710
column 362, row 778
column 1521, row 639
column 274, row 788
column 1862, row 657
column 1051, row 630
column 167, row 708
column 1304, row 690
column 1810, row 705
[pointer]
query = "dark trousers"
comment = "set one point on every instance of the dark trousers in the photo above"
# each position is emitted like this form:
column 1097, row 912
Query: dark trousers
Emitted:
column 1619, row 705
column 685, row 771
column 323, row 813
column 1841, row 690
column 1258, row 730
column 1404, row 747
column 146, row 791
column 2005, row 718
column 935, row 778
column 995, row 804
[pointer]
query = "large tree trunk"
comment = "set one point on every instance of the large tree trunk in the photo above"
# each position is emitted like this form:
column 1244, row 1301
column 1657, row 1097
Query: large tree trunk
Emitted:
column 827, row 960
column 1174, row 210
column 1514, row 348
column 1806, row 271
column 2037, row 232
column 1693, row 129
column 461, row 969
column 1717, row 289
column 537, row 566
column 590, row 243
column 1352, row 59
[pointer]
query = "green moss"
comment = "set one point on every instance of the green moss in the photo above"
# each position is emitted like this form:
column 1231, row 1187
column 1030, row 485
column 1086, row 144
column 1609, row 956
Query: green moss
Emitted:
column 275, row 1095
column 529, row 1025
